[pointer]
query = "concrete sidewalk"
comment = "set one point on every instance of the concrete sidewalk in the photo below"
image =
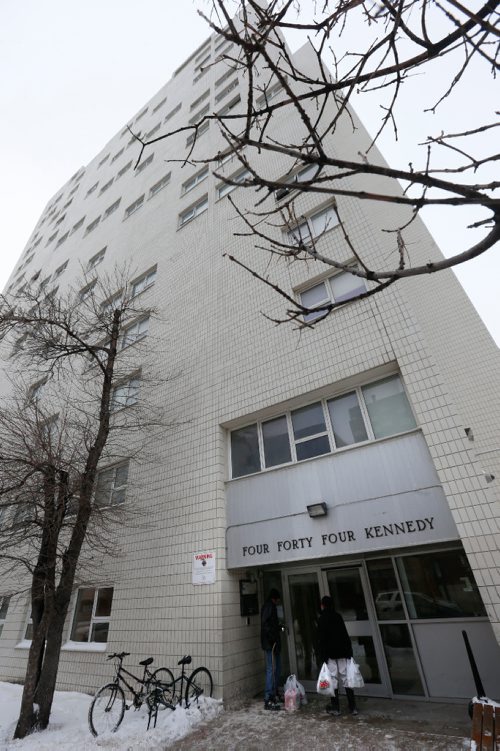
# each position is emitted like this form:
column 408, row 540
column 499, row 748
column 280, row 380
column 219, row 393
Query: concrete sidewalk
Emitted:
column 391, row 725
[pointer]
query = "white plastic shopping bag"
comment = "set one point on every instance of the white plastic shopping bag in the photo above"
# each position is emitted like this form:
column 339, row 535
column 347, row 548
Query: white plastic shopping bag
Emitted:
column 354, row 677
column 325, row 685
column 302, row 693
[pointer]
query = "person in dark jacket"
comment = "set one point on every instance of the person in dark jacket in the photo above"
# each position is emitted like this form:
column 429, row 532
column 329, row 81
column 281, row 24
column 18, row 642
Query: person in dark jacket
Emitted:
column 270, row 639
column 335, row 648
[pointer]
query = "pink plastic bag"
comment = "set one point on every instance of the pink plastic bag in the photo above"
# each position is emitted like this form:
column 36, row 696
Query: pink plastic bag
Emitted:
column 292, row 699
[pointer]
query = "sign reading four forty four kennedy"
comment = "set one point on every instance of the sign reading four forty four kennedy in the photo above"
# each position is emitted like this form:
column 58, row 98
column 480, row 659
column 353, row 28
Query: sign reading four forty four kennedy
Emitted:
column 348, row 535
column 299, row 538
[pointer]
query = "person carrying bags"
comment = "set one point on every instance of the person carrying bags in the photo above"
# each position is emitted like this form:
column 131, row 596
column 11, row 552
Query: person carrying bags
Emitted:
column 335, row 650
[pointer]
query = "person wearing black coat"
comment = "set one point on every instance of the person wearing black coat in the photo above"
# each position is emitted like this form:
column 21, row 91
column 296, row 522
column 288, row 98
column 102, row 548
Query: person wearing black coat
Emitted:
column 335, row 648
column 270, row 639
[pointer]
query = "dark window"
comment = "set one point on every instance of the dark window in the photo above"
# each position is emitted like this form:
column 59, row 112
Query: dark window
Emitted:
column 245, row 457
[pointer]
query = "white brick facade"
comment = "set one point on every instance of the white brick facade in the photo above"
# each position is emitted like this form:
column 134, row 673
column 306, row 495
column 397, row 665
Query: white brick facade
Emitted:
column 234, row 366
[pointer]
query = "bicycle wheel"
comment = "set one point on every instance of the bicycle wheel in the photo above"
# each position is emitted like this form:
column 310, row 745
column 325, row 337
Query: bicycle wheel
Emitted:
column 164, row 679
column 199, row 683
column 107, row 709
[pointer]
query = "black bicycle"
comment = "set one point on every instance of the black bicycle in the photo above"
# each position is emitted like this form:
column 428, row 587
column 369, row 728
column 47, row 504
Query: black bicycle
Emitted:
column 109, row 704
column 198, row 684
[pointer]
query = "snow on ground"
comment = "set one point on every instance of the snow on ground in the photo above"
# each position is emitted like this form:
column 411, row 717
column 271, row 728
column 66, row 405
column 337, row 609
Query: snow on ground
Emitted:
column 69, row 729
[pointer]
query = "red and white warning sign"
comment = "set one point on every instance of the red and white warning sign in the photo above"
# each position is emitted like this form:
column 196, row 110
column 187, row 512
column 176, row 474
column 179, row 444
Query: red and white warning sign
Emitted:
column 204, row 568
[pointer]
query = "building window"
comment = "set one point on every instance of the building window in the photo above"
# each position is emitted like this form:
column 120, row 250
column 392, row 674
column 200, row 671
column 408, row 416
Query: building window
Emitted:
column 52, row 237
column 220, row 49
column 195, row 180
column 60, row 220
column 229, row 106
column 199, row 115
column 28, row 631
column 154, row 189
column 450, row 592
column 36, row 391
column 92, row 615
column 87, row 291
column 126, row 394
column 200, row 99
column 141, row 115
column 173, row 112
column 196, row 134
column 200, row 69
column 111, row 208
column 268, row 95
column 135, row 332
column 59, row 270
column 239, row 177
column 275, row 442
column 4, row 606
column 224, row 78
column 106, row 186
column 144, row 164
column 302, row 176
column 78, row 224
column 50, row 430
column 153, row 131
column 313, row 226
column 366, row 413
column 309, row 431
column 160, row 104
column 143, row 282
column 336, row 289
column 134, row 207
column 347, row 420
column 230, row 87
column 96, row 260
column 193, row 211
column 245, row 455
column 91, row 190
column 123, row 170
column 91, row 227
column 117, row 155
column 202, row 55
column 62, row 239
column 388, row 407
column 112, row 303
column 103, row 161
column 111, row 485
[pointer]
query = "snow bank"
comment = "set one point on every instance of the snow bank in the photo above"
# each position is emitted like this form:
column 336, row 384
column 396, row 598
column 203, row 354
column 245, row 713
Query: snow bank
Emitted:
column 69, row 728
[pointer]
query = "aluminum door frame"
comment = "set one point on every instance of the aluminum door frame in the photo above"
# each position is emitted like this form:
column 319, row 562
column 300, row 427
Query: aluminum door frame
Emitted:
column 355, row 628
column 382, row 689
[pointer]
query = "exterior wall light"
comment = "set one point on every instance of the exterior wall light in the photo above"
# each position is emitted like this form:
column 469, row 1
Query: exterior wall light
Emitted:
column 317, row 509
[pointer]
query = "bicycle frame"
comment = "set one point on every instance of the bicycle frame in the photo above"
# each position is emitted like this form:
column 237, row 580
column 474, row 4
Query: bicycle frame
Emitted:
column 144, row 681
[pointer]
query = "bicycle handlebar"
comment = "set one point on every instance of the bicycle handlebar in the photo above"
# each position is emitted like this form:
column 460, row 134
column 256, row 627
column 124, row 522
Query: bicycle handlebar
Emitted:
column 119, row 655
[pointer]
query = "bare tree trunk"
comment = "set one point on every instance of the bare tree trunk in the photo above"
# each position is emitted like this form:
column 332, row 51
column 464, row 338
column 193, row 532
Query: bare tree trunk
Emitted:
column 44, row 695
column 28, row 716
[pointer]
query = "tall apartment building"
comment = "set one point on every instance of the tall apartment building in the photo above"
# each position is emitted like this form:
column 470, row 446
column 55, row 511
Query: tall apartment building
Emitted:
column 353, row 459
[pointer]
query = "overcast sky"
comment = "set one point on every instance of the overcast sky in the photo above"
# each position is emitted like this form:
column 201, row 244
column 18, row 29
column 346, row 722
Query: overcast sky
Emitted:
column 74, row 72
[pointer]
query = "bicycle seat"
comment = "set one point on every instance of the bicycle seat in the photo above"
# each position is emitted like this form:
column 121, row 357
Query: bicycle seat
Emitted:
column 185, row 660
column 146, row 662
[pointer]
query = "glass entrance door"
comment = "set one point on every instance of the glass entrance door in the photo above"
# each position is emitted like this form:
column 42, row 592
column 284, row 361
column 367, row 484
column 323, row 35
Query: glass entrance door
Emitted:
column 348, row 586
column 304, row 594
column 303, row 591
